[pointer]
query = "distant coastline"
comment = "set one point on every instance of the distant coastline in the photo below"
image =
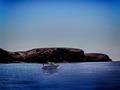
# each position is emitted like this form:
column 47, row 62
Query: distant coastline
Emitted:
column 57, row 55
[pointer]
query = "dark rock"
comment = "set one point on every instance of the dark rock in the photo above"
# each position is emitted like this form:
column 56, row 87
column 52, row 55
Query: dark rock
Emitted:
column 96, row 57
column 5, row 57
column 43, row 55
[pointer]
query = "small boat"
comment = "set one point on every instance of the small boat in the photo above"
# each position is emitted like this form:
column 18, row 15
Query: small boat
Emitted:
column 50, row 65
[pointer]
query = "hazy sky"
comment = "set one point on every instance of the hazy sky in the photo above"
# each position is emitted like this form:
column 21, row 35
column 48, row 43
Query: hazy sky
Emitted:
column 91, row 25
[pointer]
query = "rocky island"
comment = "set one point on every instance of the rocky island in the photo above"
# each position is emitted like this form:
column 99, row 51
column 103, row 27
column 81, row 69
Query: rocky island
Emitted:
column 57, row 55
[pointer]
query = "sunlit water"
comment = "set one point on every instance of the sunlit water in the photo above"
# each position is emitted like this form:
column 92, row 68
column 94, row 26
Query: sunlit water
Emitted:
column 68, row 76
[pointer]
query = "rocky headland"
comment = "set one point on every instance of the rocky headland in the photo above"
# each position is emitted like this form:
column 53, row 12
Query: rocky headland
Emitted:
column 57, row 55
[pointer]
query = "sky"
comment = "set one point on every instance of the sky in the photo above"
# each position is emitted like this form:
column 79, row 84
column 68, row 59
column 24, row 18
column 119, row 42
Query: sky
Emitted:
column 90, row 25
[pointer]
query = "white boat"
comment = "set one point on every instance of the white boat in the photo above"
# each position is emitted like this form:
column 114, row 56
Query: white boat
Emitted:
column 50, row 65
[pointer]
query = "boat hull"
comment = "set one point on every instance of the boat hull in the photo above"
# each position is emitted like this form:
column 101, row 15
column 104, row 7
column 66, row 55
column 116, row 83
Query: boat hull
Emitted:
column 50, row 67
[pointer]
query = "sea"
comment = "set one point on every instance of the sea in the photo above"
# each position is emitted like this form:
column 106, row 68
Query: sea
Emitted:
column 68, row 76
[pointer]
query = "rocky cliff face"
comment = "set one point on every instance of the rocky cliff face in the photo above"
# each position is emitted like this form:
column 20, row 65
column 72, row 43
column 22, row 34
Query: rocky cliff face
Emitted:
column 5, row 57
column 43, row 55
column 96, row 57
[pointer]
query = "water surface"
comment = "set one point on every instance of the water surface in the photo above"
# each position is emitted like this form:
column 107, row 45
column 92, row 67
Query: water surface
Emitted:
column 68, row 76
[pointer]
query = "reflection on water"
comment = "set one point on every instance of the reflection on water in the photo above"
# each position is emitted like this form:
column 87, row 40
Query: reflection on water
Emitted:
column 50, row 71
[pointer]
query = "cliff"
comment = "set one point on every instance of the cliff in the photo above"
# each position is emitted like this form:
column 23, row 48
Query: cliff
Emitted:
column 5, row 56
column 96, row 57
column 43, row 55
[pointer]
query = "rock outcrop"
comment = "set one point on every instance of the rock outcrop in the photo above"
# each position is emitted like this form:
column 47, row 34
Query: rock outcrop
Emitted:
column 43, row 55
column 96, row 57
column 5, row 56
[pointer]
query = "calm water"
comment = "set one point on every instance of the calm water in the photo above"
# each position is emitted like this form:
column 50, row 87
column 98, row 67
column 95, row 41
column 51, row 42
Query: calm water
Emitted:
column 72, row 76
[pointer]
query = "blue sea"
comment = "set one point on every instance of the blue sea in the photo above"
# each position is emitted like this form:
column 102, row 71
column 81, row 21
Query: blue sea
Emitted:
column 68, row 76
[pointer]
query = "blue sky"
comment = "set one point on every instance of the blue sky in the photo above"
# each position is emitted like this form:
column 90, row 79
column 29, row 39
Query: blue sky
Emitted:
column 92, row 25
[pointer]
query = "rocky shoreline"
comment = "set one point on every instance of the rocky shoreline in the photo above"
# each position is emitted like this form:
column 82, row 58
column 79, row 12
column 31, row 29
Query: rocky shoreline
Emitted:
column 57, row 55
